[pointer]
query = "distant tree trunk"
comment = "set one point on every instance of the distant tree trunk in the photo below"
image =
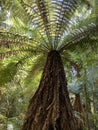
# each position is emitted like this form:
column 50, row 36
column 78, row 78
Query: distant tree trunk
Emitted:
column 78, row 104
column 50, row 107
column 78, row 107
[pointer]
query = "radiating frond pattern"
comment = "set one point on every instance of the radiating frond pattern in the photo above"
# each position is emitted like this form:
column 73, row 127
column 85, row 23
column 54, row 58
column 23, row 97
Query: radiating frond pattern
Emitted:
column 81, row 36
column 39, row 26
column 51, row 18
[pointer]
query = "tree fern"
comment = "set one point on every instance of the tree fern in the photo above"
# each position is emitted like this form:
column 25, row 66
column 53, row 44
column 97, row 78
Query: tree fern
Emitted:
column 47, row 28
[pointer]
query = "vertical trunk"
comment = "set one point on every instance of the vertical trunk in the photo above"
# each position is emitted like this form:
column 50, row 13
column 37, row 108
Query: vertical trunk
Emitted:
column 78, row 104
column 50, row 107
column 79, row 108
column 86, row 105
column 94, row 108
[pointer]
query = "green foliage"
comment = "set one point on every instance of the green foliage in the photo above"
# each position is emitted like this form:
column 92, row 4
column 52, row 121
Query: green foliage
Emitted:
column 2, row 118
column 28, row 31
column 13, row 104
column 7, row 73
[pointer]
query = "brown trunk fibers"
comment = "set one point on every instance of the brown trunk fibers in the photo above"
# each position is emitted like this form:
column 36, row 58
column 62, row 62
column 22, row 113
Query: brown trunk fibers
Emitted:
column 50, row 107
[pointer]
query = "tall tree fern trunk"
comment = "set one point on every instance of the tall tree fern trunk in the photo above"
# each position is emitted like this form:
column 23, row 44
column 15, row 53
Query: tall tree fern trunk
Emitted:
column 50, row 107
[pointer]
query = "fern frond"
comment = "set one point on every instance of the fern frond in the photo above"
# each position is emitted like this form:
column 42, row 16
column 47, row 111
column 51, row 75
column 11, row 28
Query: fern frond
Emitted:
column 8, row 36
column 51, row 18
column 78, row 35
column 71, row 57
column 21, row 51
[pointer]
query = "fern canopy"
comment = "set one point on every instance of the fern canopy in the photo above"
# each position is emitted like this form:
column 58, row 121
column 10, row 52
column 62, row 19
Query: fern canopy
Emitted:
column 29, row 30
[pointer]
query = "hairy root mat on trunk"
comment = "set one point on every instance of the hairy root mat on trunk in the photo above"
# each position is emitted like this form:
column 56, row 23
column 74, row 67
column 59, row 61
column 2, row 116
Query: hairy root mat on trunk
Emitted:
column 50, row 107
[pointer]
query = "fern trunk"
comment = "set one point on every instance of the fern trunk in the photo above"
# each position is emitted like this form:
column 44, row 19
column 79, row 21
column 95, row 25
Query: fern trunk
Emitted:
column 50, row 107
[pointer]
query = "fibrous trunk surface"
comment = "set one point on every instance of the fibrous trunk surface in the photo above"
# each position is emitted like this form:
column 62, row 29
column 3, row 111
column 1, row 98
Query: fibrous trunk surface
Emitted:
column 50, row 107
